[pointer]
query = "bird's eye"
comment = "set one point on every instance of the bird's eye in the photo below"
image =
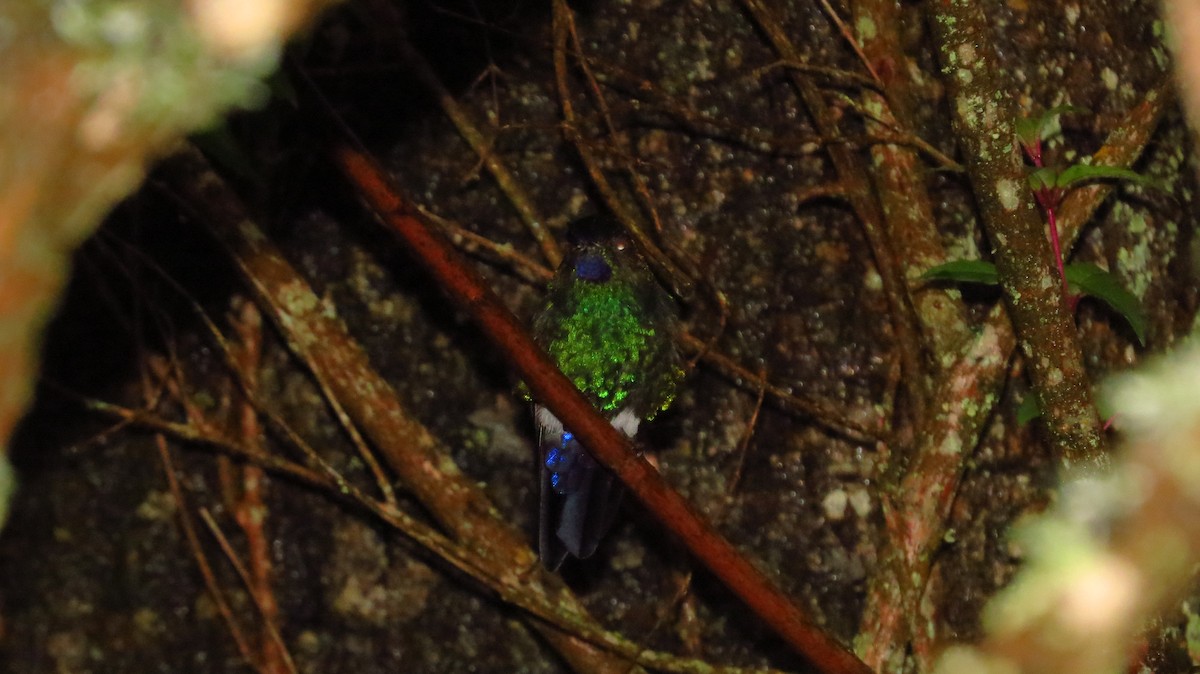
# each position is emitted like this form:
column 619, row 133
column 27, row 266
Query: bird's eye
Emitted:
column 622, row 243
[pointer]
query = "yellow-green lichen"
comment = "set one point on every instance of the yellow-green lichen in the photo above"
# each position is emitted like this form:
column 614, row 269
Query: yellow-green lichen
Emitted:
column 1009, row 194
column 866, row 28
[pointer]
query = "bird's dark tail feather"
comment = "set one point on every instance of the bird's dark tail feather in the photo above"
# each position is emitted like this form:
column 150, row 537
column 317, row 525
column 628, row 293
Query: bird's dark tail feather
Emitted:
column 579, row 501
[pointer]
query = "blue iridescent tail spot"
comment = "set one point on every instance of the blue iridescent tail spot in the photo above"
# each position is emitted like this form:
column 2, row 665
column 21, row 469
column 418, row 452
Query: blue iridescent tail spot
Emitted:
column 580, row 499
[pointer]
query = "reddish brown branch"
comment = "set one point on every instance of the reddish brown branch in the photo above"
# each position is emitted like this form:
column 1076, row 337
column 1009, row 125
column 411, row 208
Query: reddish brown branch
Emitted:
column 609, row 446
column 275, row 656
column 193, row 541
column 901, row 178
column 251, row 509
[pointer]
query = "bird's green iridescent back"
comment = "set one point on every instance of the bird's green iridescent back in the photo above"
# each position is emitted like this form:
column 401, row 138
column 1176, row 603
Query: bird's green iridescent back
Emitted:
column 614, row 341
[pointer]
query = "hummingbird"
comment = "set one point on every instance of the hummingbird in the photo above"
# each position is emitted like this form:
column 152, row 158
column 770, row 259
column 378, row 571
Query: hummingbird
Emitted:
column 610, row 327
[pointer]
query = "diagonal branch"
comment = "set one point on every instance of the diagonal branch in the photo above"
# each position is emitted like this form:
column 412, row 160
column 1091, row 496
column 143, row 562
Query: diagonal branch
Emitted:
column 606, row 443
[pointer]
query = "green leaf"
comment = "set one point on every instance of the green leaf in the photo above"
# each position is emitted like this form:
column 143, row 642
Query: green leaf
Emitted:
column 8, row 487
column 964, row 271
column 1044, row 178
column 1031, row 130
column 1080, row 173
column 224, row 150
column 282, row 88
column 1104, row 406
column 1029, row 409
column 1028, row 130
column 1091, row 280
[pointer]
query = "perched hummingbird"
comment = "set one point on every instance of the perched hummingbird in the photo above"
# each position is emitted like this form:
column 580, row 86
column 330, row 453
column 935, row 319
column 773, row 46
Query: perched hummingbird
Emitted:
column 610, row 327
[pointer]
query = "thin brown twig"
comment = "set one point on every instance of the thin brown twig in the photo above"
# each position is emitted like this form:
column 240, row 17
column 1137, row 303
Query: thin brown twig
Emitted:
column 193, row 541
column 743, row 447
column 833, row 75
column 824, row 413
column 850, row 39
column 754, row 139
column 251, row 508
column 251, row 582
column 191, row 433
column 854, row 175
column 208, row 437
column 503, row 253
column 601, row 103
column 482, row 146
column 681, row 283
column 895, row 134
column 246, row 380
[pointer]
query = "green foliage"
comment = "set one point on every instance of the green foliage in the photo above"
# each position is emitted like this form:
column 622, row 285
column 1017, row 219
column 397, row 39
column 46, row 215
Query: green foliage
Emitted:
column 1083, row 278
column 8, row 487
column 1033, row 130
column 1083, row 173
column 1048, row 178
column 1029, row 410
column 1044, row 178
column 964, row 271
column 1088, row 279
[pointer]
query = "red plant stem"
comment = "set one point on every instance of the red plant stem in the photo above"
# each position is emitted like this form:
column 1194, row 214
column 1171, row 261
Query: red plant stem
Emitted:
column 607, row 444
column 1058, row 258
column 1048, row 199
